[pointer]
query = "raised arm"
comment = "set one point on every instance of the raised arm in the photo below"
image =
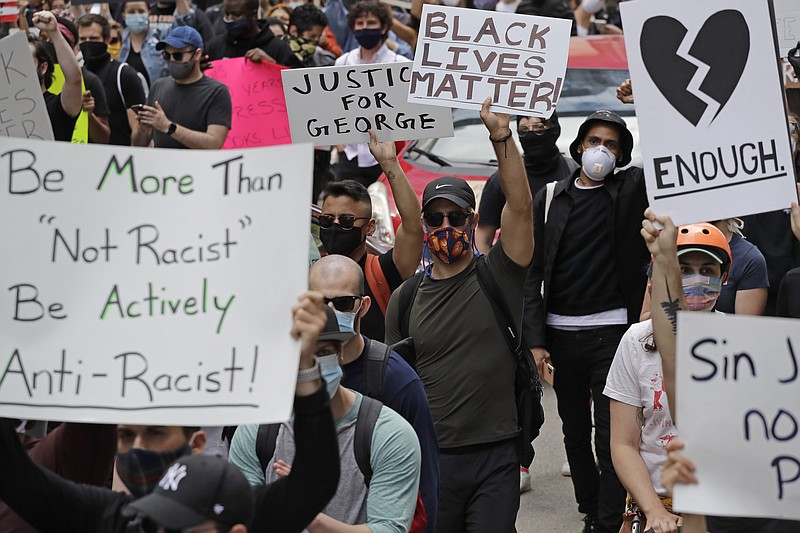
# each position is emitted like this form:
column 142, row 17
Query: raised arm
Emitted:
column 408, row 241
column 516, row 224
column 71, row 93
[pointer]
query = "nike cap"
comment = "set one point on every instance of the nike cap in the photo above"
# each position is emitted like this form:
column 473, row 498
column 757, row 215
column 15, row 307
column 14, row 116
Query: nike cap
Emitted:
column 195, row 489
column 450, row 188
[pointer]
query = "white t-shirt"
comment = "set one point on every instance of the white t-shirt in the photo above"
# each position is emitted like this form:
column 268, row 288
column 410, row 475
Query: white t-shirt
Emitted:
column 636, row 378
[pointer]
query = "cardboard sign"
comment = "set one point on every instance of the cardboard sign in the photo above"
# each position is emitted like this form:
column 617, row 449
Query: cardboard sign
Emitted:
column 464, row 56
column 259, row 109
column 709, row 151
column 80, row 135
column 143, row 286
column 22, row 109
column 739, row 412
column 337, row 105
column 787, row 24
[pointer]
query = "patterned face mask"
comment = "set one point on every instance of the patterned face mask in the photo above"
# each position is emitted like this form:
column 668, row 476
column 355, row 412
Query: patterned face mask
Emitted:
column 701, row 292
column 448, row 244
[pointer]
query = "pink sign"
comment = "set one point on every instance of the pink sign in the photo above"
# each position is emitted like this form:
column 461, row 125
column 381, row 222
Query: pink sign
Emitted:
column 259, row 107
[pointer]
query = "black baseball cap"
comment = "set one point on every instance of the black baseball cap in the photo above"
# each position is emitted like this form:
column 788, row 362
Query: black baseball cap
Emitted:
column 450, row 188
column 626, row 139
column 332, row 331
column 197, row 488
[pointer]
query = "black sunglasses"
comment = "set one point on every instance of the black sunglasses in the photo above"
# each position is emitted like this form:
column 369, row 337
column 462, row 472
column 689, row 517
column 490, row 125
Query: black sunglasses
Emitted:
column 344, row 304
column 456, row 218
column 345, row 221
column 176, row 56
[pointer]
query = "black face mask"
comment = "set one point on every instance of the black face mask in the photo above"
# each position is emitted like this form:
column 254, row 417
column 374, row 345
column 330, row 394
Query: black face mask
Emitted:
column 340, row 241
column 541, row 152
column 95, row 54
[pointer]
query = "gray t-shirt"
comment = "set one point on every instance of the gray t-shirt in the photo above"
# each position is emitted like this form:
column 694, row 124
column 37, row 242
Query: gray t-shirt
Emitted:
column 192, row 106
column 462, row 357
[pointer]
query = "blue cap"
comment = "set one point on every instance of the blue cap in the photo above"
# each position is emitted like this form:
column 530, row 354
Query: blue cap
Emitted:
column 181, row 37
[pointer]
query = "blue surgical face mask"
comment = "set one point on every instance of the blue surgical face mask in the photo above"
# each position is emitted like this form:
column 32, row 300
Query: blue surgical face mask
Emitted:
column 330, row 371
column 137, row 22
column 347, row 320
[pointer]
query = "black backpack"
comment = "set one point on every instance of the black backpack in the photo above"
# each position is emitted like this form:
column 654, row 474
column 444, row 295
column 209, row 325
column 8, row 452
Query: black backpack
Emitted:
column 527, row 385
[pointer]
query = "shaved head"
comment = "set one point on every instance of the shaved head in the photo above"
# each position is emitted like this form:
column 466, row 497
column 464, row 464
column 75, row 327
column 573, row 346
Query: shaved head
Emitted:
column 335, row 274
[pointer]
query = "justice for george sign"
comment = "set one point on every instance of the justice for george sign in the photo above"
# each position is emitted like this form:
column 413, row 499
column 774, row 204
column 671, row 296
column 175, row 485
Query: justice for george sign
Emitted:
column 464, row 56
column 709, row 100
column 141, row 287
column 738, row 390
column 333, row 105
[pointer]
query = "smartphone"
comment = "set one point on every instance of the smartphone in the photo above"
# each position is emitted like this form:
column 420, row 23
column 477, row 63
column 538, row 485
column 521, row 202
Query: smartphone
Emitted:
column 549, row 373
column 137, row 108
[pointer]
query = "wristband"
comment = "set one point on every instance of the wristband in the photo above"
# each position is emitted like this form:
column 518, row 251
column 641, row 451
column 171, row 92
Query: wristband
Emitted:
column 502, row 140
column 309, row 374
column 171, row 129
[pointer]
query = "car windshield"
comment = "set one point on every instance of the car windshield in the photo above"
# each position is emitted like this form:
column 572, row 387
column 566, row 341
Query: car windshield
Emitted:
column 585, row 91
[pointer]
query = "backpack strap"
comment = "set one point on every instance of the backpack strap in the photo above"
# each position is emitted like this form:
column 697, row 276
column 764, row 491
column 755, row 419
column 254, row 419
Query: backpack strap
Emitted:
column 548, row 198
column 119, row 84
column 377, row 282
column 377, row 358
column 368, row 414
column 499, row 306
column 408, row 293
column 265, row 443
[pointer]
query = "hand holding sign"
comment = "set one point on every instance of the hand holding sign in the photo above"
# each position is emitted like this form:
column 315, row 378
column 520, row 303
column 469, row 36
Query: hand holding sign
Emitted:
column 309, row 320
column 496, row 123
column 382, row 151
column 660, row 242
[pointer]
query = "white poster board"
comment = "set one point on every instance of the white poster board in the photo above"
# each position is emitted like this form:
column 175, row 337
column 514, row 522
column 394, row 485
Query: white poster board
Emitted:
column 338, row 105
column 22, row 109
column 787, row 24
column 714, row 139
column 738, row 411
column 150, row 286
column 464, row 56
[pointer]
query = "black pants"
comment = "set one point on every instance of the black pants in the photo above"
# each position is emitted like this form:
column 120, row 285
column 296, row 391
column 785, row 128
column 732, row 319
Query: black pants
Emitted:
column 348, row 169
column 581, row 360
column 478, row 488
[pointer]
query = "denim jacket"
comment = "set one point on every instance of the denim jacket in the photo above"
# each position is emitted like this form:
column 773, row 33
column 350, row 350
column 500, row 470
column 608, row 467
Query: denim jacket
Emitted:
column 151, row 58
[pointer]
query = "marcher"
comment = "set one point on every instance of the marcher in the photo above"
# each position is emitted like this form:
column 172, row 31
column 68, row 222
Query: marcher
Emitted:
column 388, row 501
column 592, row 261
column 745, row 290
column 139, row 40
column 461, row 352
column 187, row 109
column 306, row 27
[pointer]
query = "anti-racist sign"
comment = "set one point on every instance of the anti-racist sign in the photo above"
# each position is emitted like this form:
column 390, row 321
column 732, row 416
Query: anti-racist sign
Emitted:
column 464, row 56
column 709, row 151
column 738, row 385
column 142, row 287
column 787, row 24
column 22, row 109
column 335, row 105
column 259, row 109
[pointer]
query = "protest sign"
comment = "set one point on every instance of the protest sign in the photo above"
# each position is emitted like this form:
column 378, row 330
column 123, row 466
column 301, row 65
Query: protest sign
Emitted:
column 141, row 286
column 738, row 411
column 709, row 102
column 787, row 24
column 22, row 109
column 80, row 135
column 259, row 110
column 9, row 11
column 337, row 105
column 464, row 56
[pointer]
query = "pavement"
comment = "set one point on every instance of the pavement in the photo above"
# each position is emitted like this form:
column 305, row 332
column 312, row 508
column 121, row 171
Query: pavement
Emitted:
column 550, row 505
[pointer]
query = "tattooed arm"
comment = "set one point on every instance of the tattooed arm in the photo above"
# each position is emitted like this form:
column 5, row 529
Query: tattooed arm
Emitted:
column 667, row 297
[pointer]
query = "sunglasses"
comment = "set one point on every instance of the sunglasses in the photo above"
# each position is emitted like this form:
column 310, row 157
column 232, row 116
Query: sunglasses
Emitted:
column 345, row 221
column 344, row 304
column 176, row 56
column 456, row 218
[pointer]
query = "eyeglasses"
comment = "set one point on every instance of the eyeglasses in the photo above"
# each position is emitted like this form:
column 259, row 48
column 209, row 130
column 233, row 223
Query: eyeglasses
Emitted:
column 456, row 218
column 176, row 56
column 345, row 221
column 344, row 304
column 537, row 129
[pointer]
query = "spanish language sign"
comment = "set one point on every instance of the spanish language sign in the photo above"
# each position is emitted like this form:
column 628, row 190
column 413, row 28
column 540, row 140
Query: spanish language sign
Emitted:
column 696, row 69
column 336, row 105
column 142, row 287
column 259, row 109
column 464, row 56
column 738, row 389
column 787, row 24
column 22, row 109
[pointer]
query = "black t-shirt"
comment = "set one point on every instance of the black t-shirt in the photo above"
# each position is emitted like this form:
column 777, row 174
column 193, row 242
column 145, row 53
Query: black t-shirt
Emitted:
column 118, row 76
column 62, row 123
column 194, row 106
column 93, row 84
column 135, row 60
column 373, row 325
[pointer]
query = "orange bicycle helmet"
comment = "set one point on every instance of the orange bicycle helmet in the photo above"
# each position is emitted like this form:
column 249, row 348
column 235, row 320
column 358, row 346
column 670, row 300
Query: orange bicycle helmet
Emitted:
column 706, row 238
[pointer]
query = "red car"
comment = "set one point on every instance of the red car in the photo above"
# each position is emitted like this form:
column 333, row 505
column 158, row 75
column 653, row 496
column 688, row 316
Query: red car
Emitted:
column 596, row 67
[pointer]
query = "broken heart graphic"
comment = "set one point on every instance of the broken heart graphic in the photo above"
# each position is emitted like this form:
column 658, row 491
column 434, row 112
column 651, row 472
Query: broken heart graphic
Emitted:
column 722, row 44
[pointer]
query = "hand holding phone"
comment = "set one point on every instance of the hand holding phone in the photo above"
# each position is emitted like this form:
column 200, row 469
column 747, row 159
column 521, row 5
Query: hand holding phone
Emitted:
column 137, row 108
